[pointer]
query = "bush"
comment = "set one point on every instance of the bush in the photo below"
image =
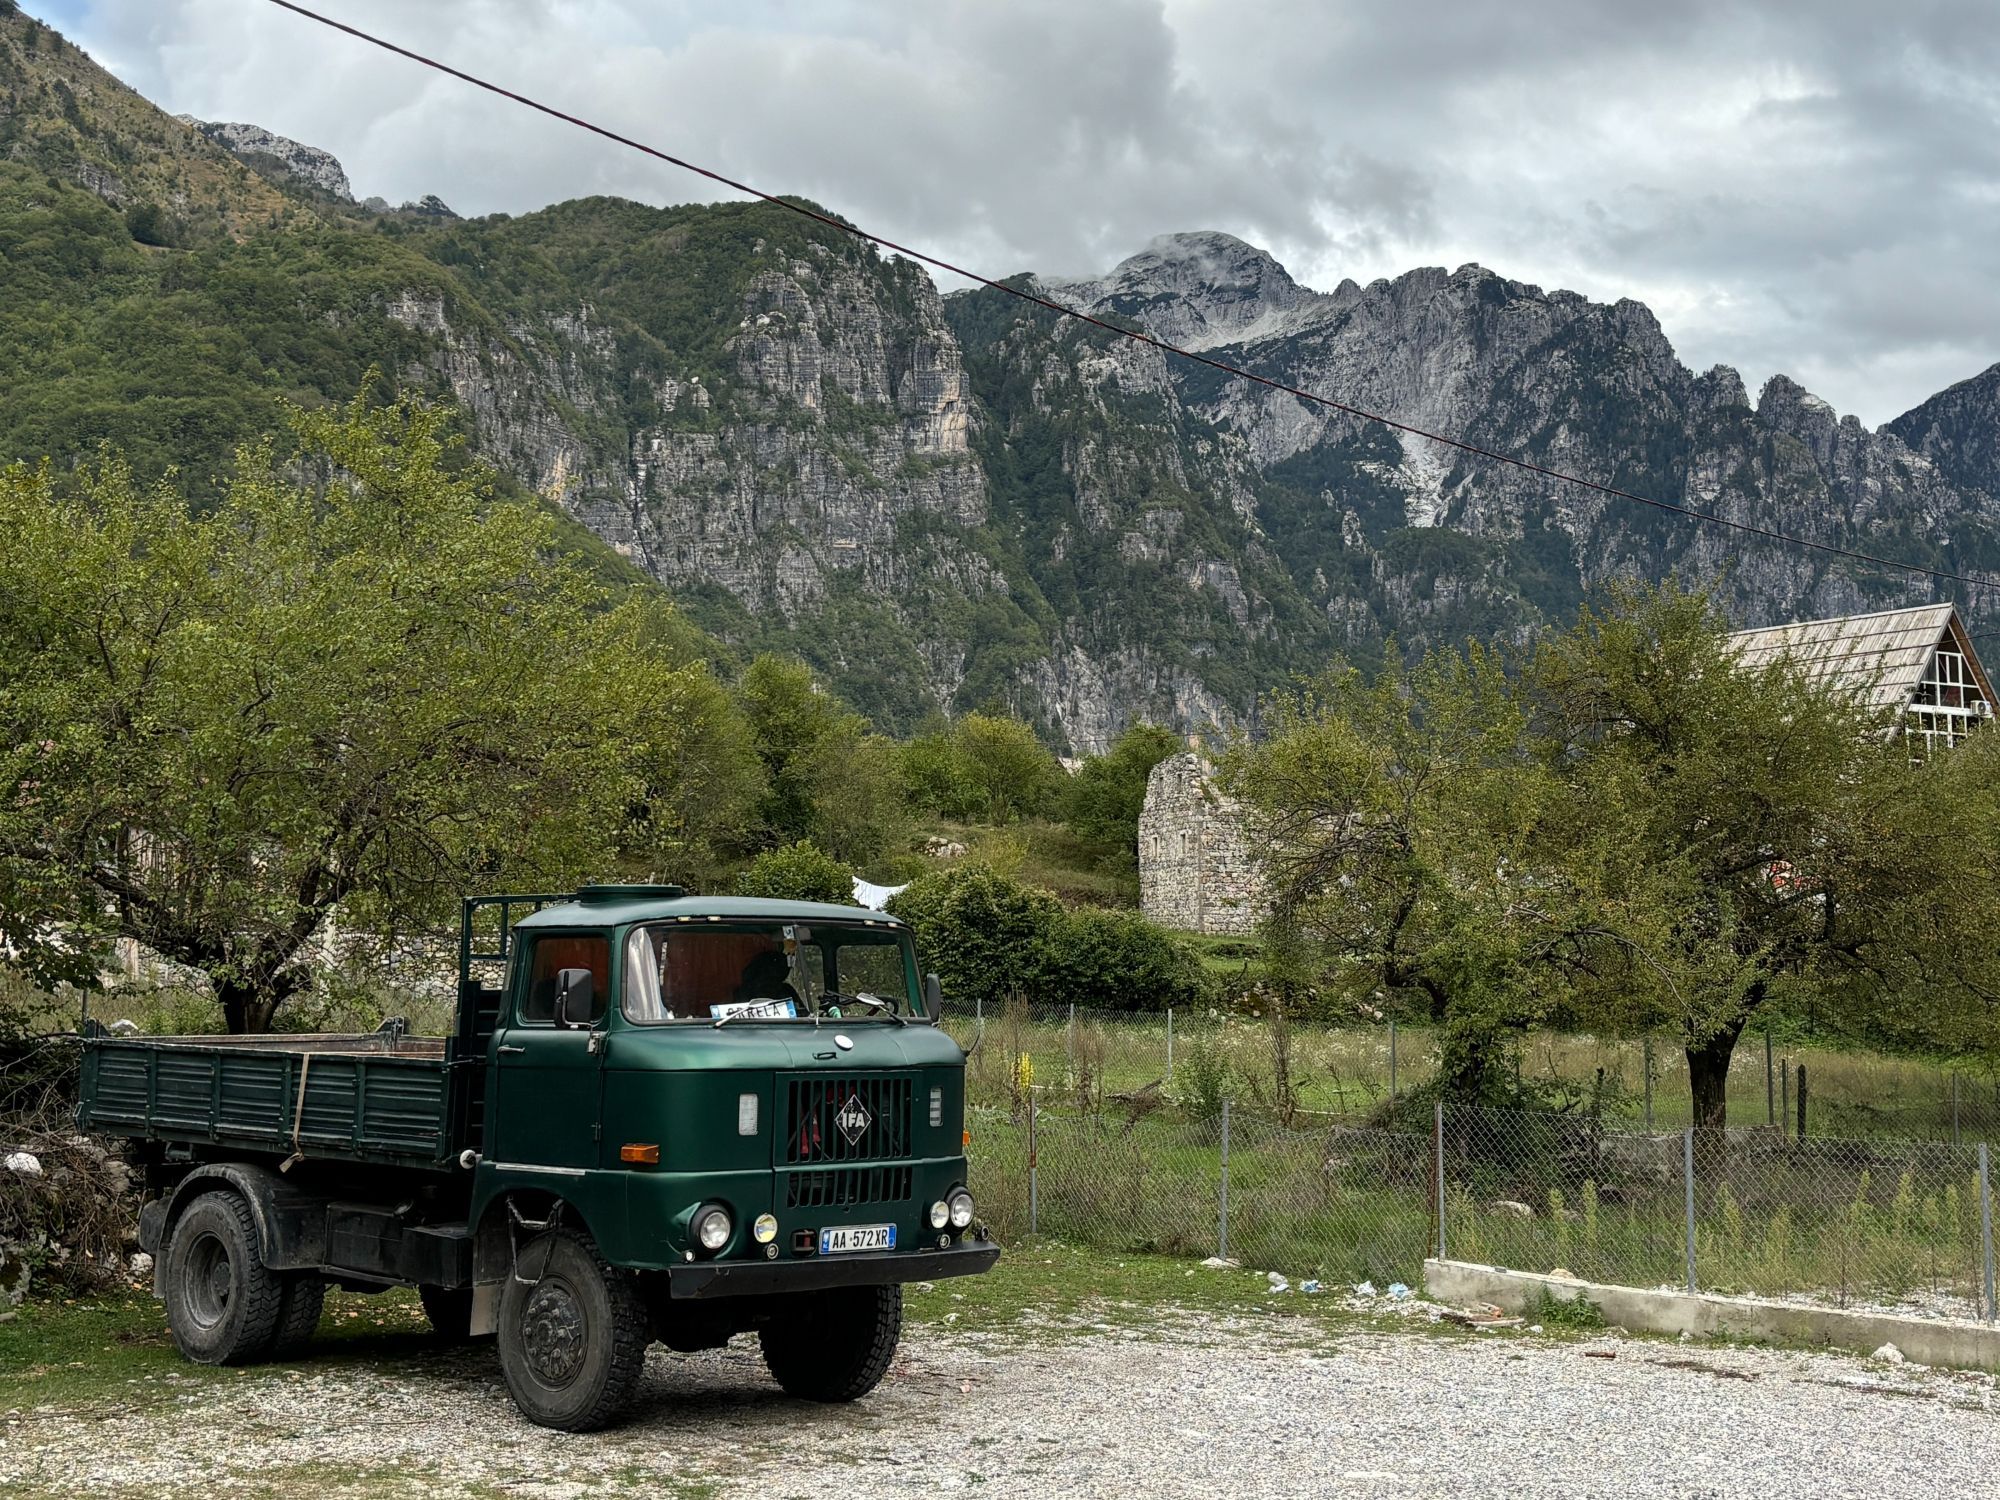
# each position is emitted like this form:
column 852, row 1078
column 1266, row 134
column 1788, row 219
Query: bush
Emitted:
column 983, row 934
column 1118, row 960
column 798, row 872
column 989, row 937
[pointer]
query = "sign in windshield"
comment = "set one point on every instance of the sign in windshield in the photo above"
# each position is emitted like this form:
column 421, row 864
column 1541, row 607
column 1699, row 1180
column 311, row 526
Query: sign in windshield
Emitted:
column 697, row 970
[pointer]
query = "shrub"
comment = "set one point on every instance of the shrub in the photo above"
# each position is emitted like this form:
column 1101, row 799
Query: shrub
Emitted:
column 1118, row 960
column 798, row 872
column 982, row 933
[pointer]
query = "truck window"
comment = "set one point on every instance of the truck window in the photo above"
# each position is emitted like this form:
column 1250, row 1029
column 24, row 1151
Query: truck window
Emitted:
column 781, row 971
column 556, row 951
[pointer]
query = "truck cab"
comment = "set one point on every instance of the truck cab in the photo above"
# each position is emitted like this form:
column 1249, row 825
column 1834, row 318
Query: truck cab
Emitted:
column 661, row 1117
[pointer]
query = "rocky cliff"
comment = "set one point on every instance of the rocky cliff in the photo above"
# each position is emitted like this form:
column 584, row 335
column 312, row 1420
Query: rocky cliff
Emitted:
column 278, row 157
column 959, row 502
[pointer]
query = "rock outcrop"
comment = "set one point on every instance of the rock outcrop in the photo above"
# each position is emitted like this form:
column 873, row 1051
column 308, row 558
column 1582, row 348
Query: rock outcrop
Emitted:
column 279, row 157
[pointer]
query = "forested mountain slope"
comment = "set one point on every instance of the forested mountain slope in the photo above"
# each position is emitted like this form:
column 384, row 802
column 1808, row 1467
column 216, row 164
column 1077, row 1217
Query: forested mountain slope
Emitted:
column 940, row 502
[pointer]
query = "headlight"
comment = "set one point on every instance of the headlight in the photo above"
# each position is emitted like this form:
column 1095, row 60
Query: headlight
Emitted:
column 765, row 1229
column 961, row 1209
column 940, row 1214
column 711, row 1228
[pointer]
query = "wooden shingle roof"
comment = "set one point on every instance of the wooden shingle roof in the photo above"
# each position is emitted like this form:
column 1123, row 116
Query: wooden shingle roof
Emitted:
column 1883, row 655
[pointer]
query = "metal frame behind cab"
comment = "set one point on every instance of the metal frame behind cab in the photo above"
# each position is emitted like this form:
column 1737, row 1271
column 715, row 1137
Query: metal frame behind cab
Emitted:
column 470, row 991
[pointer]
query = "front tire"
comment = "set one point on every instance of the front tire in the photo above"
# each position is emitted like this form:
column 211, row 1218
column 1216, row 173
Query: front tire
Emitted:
column 223, row 1303
column 572, row 1334
column 838, row 1344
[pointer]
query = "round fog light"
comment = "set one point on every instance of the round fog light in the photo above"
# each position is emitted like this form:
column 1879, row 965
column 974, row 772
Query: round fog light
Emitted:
column 711, row 1228
column 765, row 1229
column 961, row 1209
column 940, row 1214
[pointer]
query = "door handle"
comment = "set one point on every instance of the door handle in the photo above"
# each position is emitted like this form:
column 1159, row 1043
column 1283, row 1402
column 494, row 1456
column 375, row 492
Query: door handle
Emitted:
column 505, row 1050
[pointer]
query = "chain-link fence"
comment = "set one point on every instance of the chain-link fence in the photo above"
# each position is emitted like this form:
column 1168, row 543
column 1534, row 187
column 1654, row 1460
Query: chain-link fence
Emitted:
column 1896, row 1225
column 1105, row 1060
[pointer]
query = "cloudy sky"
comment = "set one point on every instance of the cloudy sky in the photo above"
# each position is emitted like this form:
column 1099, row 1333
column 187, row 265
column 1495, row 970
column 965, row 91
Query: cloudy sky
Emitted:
column 1811, row 188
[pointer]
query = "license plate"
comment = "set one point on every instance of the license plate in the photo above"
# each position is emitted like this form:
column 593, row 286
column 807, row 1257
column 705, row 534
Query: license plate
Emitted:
column 850, row 1237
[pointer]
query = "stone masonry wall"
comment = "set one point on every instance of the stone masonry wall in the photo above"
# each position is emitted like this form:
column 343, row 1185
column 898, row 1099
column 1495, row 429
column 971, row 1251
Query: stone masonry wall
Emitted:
column 1196, row 872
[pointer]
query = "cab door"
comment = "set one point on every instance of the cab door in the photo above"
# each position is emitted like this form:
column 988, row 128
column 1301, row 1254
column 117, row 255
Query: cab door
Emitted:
column 549, row 1095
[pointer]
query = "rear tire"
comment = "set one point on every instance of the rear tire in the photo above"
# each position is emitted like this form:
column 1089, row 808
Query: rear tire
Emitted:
column 223, row 1303
column 450, row 1312
column 573, row 1334
column 838, row 1344
column 301, row 1300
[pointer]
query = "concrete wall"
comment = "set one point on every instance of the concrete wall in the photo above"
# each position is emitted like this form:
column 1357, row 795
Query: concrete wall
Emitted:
column 1195, row 868
column 1949, row 1342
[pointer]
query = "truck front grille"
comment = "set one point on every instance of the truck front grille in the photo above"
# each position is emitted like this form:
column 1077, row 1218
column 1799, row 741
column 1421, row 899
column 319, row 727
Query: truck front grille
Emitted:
column 844, row 1186
column 847, row 1120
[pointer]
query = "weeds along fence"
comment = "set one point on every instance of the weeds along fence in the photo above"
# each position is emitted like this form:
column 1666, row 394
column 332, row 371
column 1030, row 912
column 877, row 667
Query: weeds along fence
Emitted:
column 1875, row 1223
column 1114, row 1060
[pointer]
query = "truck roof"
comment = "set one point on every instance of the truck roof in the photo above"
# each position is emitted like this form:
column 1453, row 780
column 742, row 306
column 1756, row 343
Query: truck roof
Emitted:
column 610, row 905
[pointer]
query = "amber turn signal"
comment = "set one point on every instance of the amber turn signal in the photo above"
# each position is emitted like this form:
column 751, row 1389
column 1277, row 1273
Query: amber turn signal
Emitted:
column 968, row 1139
column 649, row 1154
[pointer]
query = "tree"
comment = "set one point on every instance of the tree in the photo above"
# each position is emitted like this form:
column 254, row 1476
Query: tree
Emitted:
column 940, row 778
column 1018, row 775
column 1109, row 791
column 798, row 872
column 1726, row 824
column 1403, row 829
column 827, row 778
column 368, row 691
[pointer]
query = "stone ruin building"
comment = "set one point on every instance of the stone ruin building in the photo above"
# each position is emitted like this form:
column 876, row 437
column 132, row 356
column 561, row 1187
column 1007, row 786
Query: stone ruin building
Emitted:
column 1195, row 868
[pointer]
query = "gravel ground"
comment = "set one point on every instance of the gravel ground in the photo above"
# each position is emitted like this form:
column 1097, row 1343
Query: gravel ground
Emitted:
column 1189, row 1406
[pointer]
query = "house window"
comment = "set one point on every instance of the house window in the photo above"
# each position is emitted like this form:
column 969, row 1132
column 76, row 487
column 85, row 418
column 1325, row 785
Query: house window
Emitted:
column 1947, row 705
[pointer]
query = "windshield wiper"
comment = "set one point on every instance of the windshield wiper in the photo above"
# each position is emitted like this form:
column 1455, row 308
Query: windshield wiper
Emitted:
column 866, row 999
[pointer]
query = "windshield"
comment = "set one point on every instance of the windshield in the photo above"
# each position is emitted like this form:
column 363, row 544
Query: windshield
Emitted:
column 698, row 970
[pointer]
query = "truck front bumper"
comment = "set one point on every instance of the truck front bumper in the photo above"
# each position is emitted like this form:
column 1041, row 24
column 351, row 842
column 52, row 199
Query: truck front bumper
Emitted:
column 750, row 1278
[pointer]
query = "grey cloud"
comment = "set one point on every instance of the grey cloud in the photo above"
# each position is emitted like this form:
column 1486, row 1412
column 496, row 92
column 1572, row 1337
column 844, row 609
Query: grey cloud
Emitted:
column 1805, row 187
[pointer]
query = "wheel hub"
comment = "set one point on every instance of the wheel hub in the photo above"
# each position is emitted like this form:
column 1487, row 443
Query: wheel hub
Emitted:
column 552, row 1333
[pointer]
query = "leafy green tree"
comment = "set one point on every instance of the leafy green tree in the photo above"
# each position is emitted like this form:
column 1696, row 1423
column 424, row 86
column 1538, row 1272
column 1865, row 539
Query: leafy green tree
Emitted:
column 368, row 691
column 1730, row 826
column 1403, row 831
column 827, row 778
column 1109, row 791
column 1019, row 775
column 797, row 872
column 940, row 777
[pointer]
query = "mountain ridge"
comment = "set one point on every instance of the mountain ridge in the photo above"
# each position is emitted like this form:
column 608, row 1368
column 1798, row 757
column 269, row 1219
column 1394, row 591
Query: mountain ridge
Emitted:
column 955, row 502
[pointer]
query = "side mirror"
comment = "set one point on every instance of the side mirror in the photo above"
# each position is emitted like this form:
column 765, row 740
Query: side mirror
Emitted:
column 933, row 997
column 576, row 989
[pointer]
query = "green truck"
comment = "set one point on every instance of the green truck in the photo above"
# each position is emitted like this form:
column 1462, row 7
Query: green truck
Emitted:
column 659, row 1117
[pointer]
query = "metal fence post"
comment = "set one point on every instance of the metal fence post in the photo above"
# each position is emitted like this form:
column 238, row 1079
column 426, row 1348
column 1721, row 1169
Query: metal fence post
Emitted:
column 1170, row 1044
column 1072, row 1036
column 1222, row 1197
column 1986, row 1229
column 1770, row 1088
column 1437, row 1136
column 1802, row 1101
column 1646, row 1061
column 1785, row 1095
column 1034, row 1196
column 1687, row 1171
column 1954, row 1108
column 1392, row 1060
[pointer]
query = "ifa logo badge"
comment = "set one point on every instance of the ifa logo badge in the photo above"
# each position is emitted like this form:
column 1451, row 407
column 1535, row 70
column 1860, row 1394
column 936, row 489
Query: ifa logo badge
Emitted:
column 853, row 1120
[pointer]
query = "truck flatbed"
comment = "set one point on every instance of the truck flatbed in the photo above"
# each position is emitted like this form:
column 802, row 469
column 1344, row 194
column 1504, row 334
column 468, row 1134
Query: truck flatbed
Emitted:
column 380, row 1097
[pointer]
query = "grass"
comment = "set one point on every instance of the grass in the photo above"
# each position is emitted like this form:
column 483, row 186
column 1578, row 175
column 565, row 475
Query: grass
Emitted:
column 1081, row 871
column 1346, row 1070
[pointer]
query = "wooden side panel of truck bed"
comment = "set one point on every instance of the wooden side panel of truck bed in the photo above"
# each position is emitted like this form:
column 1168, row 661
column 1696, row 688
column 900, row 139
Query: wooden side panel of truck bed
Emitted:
column 352, row 1105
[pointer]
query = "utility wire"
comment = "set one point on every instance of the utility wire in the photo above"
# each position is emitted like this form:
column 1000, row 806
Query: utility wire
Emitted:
column 1745, row 528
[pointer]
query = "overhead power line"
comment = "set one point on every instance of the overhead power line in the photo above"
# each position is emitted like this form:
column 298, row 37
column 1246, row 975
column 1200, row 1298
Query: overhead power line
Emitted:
column 1745, row 528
